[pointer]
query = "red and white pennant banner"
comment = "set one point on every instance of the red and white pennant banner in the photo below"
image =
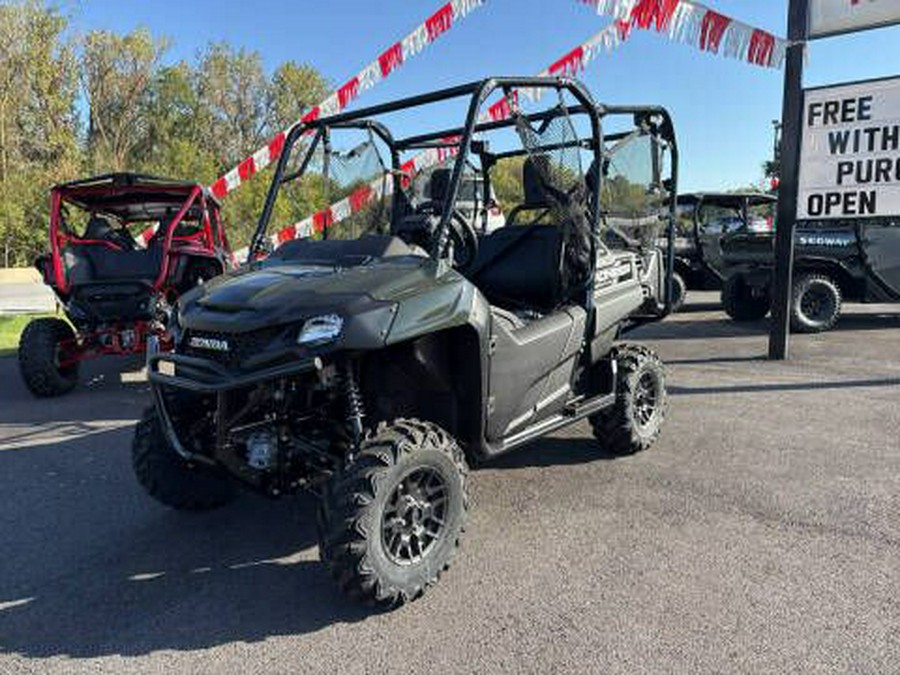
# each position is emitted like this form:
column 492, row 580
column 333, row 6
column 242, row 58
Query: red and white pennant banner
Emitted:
column 574, row 61
column 694, row 24
column 391, row 59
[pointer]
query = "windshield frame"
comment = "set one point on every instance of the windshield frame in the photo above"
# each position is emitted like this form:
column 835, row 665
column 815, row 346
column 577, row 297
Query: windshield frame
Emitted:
column 477, row 93
column 656, row 118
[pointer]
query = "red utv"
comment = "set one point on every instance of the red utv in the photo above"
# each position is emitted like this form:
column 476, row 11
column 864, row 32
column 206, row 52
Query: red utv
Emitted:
column 123, row 248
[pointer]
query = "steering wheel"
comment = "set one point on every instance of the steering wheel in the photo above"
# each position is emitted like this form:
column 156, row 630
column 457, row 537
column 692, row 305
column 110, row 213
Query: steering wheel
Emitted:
column 462, row 233
column 465, row 240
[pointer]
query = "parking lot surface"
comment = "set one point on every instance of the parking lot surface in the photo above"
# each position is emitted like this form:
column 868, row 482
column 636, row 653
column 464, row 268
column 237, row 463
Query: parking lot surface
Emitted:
column 761, row 534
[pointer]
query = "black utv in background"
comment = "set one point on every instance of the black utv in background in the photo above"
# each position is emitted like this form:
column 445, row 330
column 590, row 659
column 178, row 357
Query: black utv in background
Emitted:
column 373, row 363
column 834, row 261
column 705, row 221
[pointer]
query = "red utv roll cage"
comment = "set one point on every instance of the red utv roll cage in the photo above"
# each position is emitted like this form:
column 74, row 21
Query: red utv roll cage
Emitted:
column 129, row 199
column 126, row 196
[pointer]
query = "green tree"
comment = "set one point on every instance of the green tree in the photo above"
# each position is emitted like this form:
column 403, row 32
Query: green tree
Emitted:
column 189, row 120
column 174, row 144
column 295, row 88
column 117, row 72
column 506, row 181
column 38, row 123
column 234, row 93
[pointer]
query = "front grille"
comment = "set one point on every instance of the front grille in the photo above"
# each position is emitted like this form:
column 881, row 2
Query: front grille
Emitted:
column 241, row 346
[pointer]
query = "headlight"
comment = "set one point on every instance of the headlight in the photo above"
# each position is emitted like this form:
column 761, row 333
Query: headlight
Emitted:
column 320, row 330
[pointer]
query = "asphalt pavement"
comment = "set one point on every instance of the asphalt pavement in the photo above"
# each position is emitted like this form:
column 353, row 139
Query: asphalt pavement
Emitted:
column 760, row 535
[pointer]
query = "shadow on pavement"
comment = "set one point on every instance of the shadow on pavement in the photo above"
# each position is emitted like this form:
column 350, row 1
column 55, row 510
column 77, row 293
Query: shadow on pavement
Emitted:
column 108, row 389
column 726, row 328
column 118, row 574
column 715, row 359
column 553, row 451
column 694, row 307
column 789, row 386
column 701, row 328
column 875, row 321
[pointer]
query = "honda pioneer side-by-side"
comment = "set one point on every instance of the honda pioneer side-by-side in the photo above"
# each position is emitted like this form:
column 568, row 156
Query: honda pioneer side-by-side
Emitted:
column 115, row 276
column 705, row 220
column 372, row 363
column 856, row 260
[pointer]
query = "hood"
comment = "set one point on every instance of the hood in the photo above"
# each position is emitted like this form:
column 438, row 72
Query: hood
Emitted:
column 254, row 298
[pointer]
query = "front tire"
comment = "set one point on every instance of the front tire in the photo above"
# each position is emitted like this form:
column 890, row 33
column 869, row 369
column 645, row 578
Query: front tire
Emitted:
column 39, row 358
column 390, row 522
column 635, row 421
column 168, row 478
column 815, row 303
column 739, row 301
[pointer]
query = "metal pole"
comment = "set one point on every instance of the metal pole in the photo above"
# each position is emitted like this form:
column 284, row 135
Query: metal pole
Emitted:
column 792, row 128
column 776, row 144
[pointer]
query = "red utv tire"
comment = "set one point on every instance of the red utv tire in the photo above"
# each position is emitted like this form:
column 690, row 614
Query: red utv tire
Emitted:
column 39, row 354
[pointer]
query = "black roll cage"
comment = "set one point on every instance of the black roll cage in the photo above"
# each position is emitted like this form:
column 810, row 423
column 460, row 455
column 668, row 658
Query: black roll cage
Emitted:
column 740, row 201
column 655, row 118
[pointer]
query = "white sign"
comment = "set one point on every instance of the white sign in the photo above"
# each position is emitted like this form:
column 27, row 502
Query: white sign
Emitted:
column 828, row 17
column 850, row 156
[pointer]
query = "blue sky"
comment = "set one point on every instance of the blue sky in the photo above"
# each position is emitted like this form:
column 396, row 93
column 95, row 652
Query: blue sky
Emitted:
column 722, row 108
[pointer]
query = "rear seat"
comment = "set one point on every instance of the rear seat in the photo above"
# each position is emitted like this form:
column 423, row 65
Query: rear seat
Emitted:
column 520, row 267
column 91, row 263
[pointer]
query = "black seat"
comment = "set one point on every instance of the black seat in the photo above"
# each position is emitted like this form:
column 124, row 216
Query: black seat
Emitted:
column 121, row 265
column 111, row 285
column 521, row 267
column 535, row 192
column 89, row 263
column 91, row 260
column 439, row 185
column 98, row 229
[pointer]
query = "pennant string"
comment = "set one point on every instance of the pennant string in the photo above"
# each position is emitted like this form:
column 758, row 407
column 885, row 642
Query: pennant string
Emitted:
column 606, row 41
column 693, row 23
column 443, row 20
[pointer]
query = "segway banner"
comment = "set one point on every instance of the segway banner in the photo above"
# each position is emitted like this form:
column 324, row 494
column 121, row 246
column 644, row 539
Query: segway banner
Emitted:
column 850, row 156
column 831, row 17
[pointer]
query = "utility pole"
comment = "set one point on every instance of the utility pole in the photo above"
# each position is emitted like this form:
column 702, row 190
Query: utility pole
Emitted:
column 792, row 128
column 776, row 144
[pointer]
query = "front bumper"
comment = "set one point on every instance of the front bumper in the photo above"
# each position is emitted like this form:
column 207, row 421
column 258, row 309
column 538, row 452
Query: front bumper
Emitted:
column 207, row 377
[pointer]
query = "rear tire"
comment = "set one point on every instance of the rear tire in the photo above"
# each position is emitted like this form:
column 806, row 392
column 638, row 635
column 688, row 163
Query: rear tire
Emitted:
column 390, row 522
column 739, row 301
column 635, row 421
column 679, row 292
column 168, row 478
column 39, row 358
column 815, row 303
